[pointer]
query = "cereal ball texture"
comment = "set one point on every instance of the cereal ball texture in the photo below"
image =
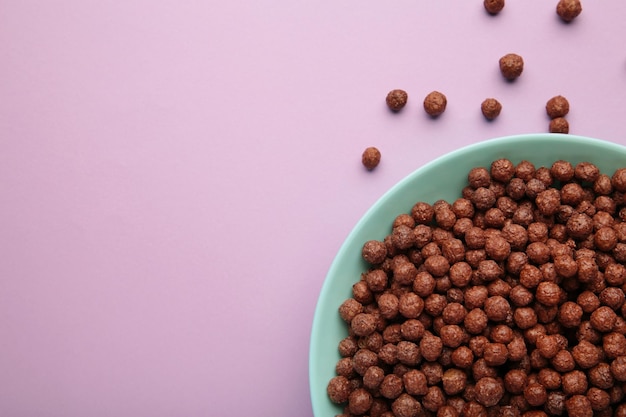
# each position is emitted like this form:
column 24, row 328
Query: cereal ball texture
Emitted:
column 396, row 99
column 491, row 108
column 568, row 10
column 371, row 158
column 511, row 66
column 557, row 106
column 339, row 389
column 489, row 391
column 359, row 401
column 559, row 125
column 493, row 6
column 435, row 103
column 374, row 252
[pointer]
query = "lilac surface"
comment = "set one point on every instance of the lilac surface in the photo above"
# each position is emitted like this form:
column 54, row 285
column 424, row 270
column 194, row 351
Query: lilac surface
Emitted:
column 177, row 176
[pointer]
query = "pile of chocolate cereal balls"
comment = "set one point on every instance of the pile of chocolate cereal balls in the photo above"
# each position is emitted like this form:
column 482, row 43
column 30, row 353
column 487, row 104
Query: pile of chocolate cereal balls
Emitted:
column 508, row 301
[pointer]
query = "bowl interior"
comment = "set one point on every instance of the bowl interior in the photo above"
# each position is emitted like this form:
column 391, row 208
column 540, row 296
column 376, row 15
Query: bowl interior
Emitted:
column 442, row 178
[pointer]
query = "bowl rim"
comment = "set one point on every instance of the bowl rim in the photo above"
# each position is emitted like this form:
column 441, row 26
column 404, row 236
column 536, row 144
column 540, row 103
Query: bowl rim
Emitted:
column 316, row 327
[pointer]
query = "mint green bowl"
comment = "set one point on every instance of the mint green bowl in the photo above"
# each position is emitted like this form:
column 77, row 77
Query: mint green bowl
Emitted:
column 442, row 178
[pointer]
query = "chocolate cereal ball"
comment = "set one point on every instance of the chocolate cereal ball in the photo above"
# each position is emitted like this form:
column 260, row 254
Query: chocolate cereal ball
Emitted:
column 349, row 309
column 454, row 381
column 615, row 274
column 599, row 399
column 578, row 406
column 574, row 382
column 403, row 237
column 548, row 293
column 603, row 319
column 435, row 103
column 391, row 386
column 557, row 106
column 490, row 107
column 339, row 389
column 406, row 406
column 586, row 354
column 562, row 171
column 489, row 391
column 555, row 404
column 558, row 125
column 586, row 171
column 374, row 252
column 515, row 381
column 497, row 308
column 360, row 401
column 462, row 357
column 373, row 377
column 568, row 10
column 371, row 158
column 448, row 411
column 535, row 394
column 415, row 382
column 430, row 346
column 618, row 180
column 363, row 324
column 511, row 66
column 549, row 378
column 479, row 177
column 614, row 345
column 502, row 170
column 493, row 6
column 602, row 185
column 396, row 99
column 495, row 354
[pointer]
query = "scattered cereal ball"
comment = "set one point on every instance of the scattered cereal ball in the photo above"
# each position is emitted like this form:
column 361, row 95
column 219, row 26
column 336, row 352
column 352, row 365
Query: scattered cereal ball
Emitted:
column 371, row 158
column 557, row 106
column 568, row 10
column 435, row 103
column 511, row 66
column 494, row 6
column 396, row 99
column 559, row 125
column 490, row 107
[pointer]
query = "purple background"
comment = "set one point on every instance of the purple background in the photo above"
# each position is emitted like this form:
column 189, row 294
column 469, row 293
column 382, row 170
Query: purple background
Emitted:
column 176, row 176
